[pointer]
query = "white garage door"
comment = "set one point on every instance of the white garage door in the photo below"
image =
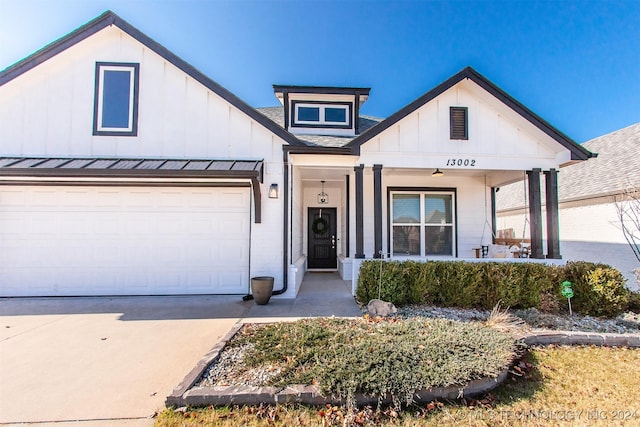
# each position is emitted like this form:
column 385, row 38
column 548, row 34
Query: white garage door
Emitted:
column 123, row 240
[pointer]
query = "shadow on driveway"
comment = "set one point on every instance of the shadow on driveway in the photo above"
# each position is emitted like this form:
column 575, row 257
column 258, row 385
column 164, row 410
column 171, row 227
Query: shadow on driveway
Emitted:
column 321, row 295
column 132, row 308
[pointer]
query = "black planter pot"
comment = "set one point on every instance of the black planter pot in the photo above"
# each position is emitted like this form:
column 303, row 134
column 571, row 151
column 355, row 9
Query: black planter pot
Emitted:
column 261, row 289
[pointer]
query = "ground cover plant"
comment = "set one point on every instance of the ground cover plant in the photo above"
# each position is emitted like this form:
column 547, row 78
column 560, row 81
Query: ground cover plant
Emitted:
column 374, row 357
column 379, row 357
column 599, row 289
column 550, row 386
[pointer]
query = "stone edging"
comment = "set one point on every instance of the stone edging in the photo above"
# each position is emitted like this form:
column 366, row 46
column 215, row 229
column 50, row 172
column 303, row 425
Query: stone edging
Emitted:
column 547, row 337
column 176, row 398
column 186, row 394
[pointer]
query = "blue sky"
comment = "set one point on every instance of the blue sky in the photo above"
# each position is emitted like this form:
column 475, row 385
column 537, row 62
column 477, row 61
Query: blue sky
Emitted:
column 574, row 63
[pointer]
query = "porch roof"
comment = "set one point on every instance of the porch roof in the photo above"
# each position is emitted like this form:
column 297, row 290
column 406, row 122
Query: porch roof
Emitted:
column 577, row 151
column 615, row 171
column 131, row 167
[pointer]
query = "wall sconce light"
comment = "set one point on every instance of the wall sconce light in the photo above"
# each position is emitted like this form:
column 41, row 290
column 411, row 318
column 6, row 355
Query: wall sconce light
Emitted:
column 437, row 173
column 273, row 191
column 323, row 198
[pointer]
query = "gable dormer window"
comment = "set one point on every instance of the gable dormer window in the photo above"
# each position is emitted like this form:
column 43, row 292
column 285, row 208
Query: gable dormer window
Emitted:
column 321, row 110
column 313, row 114
column 115, row 109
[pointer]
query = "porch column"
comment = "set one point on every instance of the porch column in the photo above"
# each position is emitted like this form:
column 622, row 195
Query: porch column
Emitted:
column 535, row 213
column 359, row 211
column 494, row 220
column 553, row 229
column 347, row 234
column 377, row 211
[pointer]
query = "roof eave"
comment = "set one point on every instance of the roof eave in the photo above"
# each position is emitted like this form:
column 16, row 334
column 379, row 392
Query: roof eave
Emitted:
column 109, row 18
column 321, row 89
column 578, row 152
column 57, row 46
column 312, row 149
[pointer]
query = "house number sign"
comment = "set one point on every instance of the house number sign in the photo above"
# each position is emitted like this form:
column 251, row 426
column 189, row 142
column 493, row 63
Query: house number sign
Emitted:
column 461, row 162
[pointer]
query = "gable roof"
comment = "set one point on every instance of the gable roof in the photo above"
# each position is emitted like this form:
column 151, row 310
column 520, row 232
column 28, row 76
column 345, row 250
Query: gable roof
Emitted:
column 615, row 170
column 577, row 151
column 109, row 18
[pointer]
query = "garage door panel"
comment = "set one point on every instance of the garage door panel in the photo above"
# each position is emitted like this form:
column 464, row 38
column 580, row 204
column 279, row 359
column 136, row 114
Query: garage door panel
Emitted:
column 107, row 199
column 133, row 240
column 228, row 279
column 12, row 198
column 200, row 253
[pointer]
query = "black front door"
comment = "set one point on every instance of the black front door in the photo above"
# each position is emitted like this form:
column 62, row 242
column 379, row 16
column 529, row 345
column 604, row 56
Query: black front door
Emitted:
column 322, row 238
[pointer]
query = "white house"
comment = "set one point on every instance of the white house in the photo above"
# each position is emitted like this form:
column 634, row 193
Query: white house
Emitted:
column 588, row 195
column 124, row 170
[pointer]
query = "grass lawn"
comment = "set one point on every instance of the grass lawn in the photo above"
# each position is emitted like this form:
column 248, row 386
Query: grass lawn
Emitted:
column 550, row 386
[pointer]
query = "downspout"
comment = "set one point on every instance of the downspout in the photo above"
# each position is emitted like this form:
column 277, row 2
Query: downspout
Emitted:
column 285, row 225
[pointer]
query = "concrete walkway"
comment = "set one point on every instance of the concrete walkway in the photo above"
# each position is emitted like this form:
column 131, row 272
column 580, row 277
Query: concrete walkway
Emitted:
column 321, row 295
column 108, row 361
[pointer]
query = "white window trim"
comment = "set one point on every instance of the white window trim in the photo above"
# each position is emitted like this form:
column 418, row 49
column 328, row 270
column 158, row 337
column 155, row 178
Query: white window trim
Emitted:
column 132, row 75
column 321, row 120
column 422, row 224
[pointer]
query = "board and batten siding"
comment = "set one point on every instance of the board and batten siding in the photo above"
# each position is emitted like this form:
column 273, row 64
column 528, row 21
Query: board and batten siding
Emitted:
column 499, row 138
column 48, row 112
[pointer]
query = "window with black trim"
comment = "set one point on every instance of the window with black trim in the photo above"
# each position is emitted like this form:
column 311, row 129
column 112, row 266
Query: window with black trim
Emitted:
column 314, row 114
column 458, row 118
column 423, row 223
column 115, row 109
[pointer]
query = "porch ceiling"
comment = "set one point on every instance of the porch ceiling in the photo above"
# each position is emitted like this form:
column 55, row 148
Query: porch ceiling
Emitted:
column 494, row 178
column 317, row 173
column 336, row 175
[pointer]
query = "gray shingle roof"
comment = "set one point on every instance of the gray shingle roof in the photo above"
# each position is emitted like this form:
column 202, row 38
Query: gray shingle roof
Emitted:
column 615, row 170
column 276, row 114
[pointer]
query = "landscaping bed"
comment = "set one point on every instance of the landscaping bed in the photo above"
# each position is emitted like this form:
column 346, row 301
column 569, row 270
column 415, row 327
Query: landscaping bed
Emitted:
column 548, row 386
column 597, row 289
column 354, row 361
column 625, row 323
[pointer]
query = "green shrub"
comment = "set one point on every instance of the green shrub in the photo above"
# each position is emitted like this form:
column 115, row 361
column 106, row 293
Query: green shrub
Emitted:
column 598, row 289
column 456, row 284
column 396, row 285
column 634, row 302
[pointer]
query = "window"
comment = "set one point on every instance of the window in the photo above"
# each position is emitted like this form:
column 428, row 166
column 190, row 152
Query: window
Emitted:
column 115, row 109
column 312, row 114
column 458, row 118
column 422, row 223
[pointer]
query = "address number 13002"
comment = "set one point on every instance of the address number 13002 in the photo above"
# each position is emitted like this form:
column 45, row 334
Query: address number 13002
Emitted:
column 461, row 162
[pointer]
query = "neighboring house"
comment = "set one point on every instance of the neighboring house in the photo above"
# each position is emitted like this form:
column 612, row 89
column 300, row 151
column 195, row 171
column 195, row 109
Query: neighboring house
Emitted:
column 590, row 228
column 124, row 170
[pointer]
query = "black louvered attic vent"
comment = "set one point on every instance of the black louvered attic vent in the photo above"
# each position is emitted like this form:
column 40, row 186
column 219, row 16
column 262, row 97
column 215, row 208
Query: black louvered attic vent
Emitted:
column 458, row 122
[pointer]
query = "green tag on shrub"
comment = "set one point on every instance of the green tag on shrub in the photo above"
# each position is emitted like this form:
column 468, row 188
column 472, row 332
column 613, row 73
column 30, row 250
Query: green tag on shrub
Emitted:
column 567, row 292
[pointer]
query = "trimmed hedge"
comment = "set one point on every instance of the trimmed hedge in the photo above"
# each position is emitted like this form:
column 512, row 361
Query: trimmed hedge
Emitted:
column 599, row 289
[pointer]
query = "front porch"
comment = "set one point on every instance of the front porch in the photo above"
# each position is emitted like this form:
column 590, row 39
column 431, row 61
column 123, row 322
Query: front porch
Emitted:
column 403, row 213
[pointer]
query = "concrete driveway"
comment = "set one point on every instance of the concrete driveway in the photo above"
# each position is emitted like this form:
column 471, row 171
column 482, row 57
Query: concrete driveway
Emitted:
column 103, row 361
